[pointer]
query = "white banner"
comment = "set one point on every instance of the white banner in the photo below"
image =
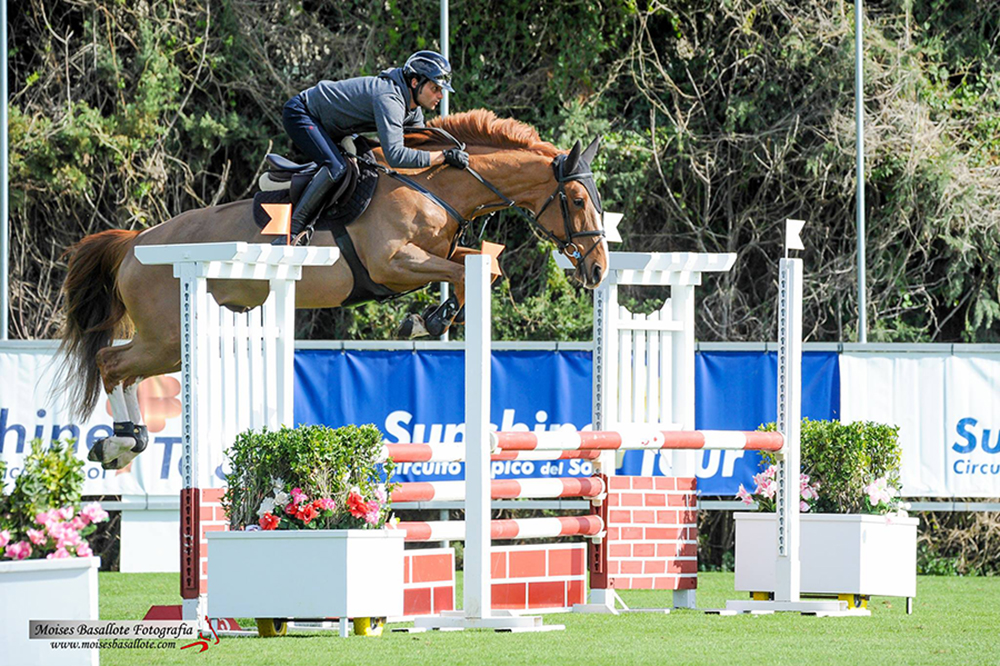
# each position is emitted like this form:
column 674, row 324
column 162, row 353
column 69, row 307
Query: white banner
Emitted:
column 947, row 407
column 28, row 411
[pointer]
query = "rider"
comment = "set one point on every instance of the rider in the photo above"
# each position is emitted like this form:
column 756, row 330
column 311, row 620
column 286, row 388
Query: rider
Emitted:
column 317, row 118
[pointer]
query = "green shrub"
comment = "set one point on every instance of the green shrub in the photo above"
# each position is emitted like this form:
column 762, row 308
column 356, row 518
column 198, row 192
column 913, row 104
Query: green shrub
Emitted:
column 51, row 479
column 844, row 459
column 311, row 477
column 42, row 517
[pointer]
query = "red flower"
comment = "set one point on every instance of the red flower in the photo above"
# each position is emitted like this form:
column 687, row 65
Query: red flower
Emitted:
column 269, row 521
column 291, row 508
column 307, row 514
column 356, row 505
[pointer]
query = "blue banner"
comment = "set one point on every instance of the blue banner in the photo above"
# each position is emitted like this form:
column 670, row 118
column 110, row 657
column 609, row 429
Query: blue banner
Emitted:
column 420, row 397
column 738, row 391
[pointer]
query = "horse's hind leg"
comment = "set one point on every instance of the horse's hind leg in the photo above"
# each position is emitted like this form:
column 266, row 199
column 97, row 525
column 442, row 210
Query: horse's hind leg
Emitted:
column 122, row 369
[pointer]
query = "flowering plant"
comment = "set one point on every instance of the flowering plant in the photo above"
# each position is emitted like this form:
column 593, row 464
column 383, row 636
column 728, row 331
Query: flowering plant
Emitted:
column 310, row 477
column 855, row 467
column 42, row 518
column 767, row 488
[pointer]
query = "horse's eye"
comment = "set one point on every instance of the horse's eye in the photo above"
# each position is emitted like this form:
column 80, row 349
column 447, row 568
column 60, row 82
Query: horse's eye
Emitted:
column 578, row 202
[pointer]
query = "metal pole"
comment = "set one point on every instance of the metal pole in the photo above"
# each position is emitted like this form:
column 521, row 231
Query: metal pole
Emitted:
column 859, row 114
column 445, row 291
column 4, row 209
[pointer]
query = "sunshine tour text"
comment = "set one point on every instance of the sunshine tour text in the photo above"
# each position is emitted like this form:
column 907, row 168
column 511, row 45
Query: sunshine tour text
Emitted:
column 975, row 437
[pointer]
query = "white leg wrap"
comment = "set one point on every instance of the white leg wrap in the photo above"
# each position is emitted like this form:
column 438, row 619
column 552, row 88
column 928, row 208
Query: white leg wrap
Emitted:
column 132, row 403
column 119, row 406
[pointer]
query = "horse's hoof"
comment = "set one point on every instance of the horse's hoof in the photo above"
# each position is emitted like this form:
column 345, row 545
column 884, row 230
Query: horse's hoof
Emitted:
column 121, row 462
column 107, row 450
column 436, row 326
column 96, row 453
column 412, row 327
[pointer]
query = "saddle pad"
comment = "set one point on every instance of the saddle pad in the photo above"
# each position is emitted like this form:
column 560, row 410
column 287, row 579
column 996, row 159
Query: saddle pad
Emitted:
column 343, row 214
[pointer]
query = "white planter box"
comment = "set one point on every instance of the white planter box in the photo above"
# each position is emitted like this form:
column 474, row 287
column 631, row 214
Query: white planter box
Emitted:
column 839, row 554
column 306, row 573
column 63, row 589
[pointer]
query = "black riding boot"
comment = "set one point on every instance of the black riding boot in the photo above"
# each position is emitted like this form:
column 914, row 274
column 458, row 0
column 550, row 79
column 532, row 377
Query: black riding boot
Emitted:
column 310, row 203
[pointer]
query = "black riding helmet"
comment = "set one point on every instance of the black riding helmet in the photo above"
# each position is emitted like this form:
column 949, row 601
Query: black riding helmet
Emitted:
column 429, row 65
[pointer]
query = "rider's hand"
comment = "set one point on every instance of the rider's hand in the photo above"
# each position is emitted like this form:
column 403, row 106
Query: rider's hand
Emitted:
column 457, row 158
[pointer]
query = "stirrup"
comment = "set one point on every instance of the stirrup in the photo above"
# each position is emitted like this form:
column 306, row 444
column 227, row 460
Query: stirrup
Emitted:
column 304, row 237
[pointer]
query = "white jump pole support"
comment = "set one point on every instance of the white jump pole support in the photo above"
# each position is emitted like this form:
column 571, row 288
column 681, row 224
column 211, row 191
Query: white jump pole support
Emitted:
column 478, row 613
column 478, row 599
column 787, row 566
column 237, row 372
column 790, row 425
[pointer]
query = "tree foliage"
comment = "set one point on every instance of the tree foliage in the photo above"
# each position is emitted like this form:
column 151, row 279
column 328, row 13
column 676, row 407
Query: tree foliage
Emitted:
column 720, row 119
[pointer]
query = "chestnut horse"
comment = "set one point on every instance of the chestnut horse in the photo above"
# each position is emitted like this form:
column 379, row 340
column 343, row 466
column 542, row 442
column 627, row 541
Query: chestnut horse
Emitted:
column 404, row 239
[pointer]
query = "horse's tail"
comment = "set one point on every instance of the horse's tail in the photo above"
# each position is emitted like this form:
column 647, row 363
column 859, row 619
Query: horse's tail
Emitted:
column 95, row 313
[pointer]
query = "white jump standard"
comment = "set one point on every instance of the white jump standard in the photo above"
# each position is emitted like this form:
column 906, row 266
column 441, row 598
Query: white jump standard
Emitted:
column 236, row 372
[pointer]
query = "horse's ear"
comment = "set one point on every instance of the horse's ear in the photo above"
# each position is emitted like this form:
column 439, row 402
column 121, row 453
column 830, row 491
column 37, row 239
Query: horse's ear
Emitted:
column 588, row 155
column 569, row 166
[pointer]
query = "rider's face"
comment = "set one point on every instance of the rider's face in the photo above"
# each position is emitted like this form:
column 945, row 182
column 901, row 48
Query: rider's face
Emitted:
column 429, row 95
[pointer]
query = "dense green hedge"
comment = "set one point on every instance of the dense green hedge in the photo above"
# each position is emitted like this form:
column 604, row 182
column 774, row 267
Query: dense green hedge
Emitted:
column 720, row 118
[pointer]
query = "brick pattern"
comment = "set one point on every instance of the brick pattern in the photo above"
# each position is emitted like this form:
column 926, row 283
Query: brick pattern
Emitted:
column 428, row 581
column 652, row 528
column 213, row 519
column 549, row 577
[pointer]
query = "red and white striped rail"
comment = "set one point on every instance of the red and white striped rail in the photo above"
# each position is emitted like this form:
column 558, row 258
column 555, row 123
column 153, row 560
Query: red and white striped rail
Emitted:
column 589, row 487
column 455, row 452
column 641, row 437
column 519, row 528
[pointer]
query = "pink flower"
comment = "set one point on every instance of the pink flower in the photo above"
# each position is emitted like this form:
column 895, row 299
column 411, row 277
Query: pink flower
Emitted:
column 47, row 517
column 70, row 538
column 37, row 537
column 371, row 516
column 745, row 496
column 94, row 513
column 879, row 491
column 380, row 494
column 18, row 551
column 327, row 504
column 65, row 513
column 79, row 522
column 83, row 550
column 298, row 496
column 56, row 530
column 4, row 538
column 60, row 554
column 803, row 506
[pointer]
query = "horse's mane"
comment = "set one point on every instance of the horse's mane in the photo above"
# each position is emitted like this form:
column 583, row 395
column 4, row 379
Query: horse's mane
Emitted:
column 481, row 127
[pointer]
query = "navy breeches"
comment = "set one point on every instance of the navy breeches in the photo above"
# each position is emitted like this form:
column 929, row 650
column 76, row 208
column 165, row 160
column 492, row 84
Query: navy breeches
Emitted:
column 310, row 137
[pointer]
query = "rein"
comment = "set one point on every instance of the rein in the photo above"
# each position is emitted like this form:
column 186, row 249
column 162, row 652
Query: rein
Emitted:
column 567, row 245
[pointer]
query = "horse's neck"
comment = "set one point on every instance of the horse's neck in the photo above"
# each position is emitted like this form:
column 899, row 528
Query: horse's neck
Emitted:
column 522, row 176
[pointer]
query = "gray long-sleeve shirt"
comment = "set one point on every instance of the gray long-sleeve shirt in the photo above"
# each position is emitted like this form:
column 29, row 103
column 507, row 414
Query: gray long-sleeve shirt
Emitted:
column 370, row 103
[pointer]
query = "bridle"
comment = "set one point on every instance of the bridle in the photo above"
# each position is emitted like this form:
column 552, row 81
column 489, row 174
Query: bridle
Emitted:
column 578, row 171
column 568, row 244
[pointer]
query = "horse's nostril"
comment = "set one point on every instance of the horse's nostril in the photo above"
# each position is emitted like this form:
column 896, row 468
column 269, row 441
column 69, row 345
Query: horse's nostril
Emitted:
column 597, row 273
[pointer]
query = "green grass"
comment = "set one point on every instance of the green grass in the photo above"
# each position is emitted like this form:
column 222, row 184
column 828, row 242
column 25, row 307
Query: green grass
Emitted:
column 954, row 622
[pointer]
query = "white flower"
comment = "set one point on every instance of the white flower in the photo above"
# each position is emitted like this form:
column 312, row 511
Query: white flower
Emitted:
column 267, row 506
column 277, row 484
column 281, row 498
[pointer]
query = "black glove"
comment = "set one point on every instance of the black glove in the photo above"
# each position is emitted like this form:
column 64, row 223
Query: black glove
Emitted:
column 457, row 158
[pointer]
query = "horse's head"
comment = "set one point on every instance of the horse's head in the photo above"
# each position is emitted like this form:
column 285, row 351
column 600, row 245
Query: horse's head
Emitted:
column 573, row 217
